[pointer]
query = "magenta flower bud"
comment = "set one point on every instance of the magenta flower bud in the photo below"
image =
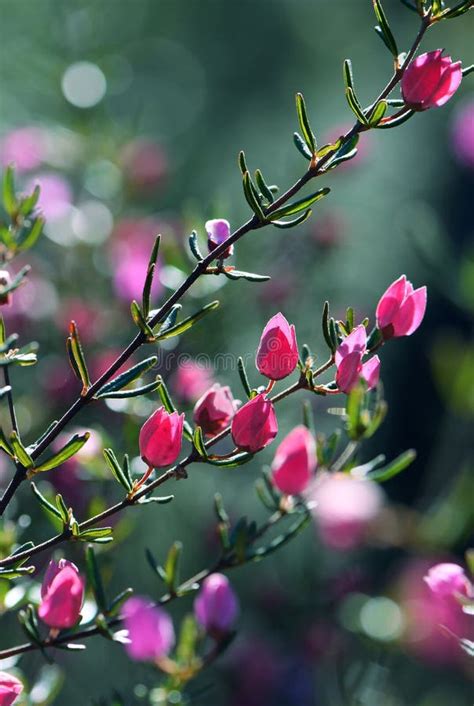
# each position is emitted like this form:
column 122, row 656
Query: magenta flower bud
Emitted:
column 216, row 607
column 254, row 425
column 218, row 230
column 62, row 594
column 401, row 309
column 348, row 359
column 161, row 437
column 5, row 280
column 214, row 410
column 277, row 353
column 10, row 688
column 294, row 462
column 150, row 630
column 430, row 80
column 446, row 581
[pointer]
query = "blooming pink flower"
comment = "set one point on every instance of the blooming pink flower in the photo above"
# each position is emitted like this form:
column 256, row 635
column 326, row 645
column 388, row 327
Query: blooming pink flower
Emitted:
column 218, row 230
column 23, row 147
column 277, row 353
column 191, row 380
column 216, row 606
column 462, row 134
column 55, row 197
column 447, row 580
column 294, row 462
column 62, row 594
column 10, row 688
column 150, row 630
column 401, row 309
column 161, row 437
column 430, row 80
column 214, row 410
column 348, row 358
column 254, row 425
column 343, row 508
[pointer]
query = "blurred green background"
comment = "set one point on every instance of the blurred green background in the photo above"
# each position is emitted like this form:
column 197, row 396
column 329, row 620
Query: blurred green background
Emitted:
column 143, row 138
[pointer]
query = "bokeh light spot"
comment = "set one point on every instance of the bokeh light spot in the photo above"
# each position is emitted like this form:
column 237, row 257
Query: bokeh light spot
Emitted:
column 83, row 84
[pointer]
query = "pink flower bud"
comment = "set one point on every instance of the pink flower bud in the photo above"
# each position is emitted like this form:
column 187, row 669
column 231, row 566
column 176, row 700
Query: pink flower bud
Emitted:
column 214, row 410
column 430, row 80
column 161, row 437
column 343, row 508
column 216, row 607
column 218, row 230
column 150, row 630
column 10, row 688
column 447, row 580
column 348, row 359
column 62, row 594
column 294, row 462
column 5, row 280
column 255, row 424
column 401, row 309
column 277, row 353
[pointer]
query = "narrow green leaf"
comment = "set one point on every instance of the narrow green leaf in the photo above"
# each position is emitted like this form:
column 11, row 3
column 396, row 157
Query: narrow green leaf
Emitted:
column 49, row 507
column 394, row 468
column 20, row 451
column 325, row 327
column 31, row 236
column 300, row 205
column 5, row 445
column 3, row 334
column 282, row 539
column 308, row 416
column 139, row 319
column 62, row 508
column 160, row 500
column 243, row 376
column 294, row 221
column 376, row 115
column 128, row 376
column 384, row 30
column 194, row 247
column 395, row 122
column 172, row 566
column 95, row 580
column 76, row 356
column 249, row 276
column 232, row 462
column 251, row 196
column 170, row 320
column 242, row 162
column 355, row 106
column 187, row 641
column 117, row 602
column 16, row 573
column 305, row 124
column 116, row 469
column 68, row 450
column 263, row 496
column 9, row 198
column 302, row 147
column 17, row 281
column 263, row 186
column 165, row 396
column 188, row 322
column 198, row 442
column 135, row 392
column 468, row 70
column 29, row 202
column 99, row 535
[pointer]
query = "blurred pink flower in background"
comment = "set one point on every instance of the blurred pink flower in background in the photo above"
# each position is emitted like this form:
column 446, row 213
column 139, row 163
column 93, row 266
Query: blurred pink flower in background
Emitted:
column 150, row 630
column 256, row 668
column 132, row 242
column 10, row 688
column 191, row 380
column 24, row 147
column 448, row 581
column 89, row 319
column 55, row 197
column 144, row 164
column 327, row 230
column 462, row 134
column 344, row 508
column 216, row 607
column 363, row 146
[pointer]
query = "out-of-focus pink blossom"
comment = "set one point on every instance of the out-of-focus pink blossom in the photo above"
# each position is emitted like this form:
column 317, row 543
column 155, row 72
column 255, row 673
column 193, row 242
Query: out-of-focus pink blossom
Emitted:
column 55, row 198
column 447, row 581
column 327, row 230
column 161, row 438
column 144, row 164
column 401, row 309
column 294, row 462
column 214, row 410
column 254, row 425
column 89, row 319
column 150, row 630
column 462, row 134
column 343, row 509
column 218, row 230
column 62, row 594
column 430, row 80
column 191, row 380
column 24, row 148
column 363, row 146
column 10, row 689
column 216, row 606
column 131, row 245
column 277, row 353
column 350, row 367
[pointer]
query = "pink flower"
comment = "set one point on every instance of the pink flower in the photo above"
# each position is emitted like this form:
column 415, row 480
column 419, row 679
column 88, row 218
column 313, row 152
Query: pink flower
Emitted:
column 24, row 148
column 216, row 607
column 447, row 580
column 214, row 410
column 462, row 134
column 218, row 230
column 255, row 424
column 55, row 195
column 277, row 353
column 343, row 509
column 430, row 80
column 294, row 462
column 150, row 630
column 132, row 241
column 10, row 688
column 401, row 309
column 62, row 594
column 161, row 437
column 191, row 380
column 350, row 367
